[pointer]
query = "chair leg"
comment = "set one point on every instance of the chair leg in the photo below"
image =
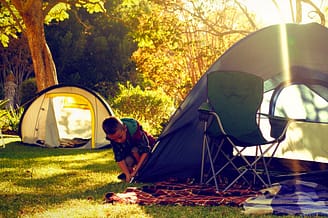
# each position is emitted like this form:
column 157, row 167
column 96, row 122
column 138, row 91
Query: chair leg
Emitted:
column 265, row 167
column 205, row 148
column 230, row 161
column 203, row 153
column 265, row 164
column 203, row 160
column 212, row 165
column 252, row 166
column 214, row 159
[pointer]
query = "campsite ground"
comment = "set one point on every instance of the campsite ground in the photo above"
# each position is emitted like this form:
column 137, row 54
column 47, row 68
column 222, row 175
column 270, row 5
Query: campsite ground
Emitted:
column 39, row 182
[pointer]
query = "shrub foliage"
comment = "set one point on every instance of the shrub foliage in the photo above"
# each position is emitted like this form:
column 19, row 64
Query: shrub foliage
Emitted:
column 152, row 108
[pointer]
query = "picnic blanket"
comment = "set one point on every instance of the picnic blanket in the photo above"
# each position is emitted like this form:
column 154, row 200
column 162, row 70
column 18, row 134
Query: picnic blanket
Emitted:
column 186, row 194
column 290, row 197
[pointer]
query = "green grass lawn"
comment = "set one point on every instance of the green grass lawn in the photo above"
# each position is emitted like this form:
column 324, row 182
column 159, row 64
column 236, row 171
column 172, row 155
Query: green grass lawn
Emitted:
column 41, row 182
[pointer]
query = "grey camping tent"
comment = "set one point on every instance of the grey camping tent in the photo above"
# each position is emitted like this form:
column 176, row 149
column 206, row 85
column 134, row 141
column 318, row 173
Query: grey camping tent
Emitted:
column 283, row 55
column 66, row 116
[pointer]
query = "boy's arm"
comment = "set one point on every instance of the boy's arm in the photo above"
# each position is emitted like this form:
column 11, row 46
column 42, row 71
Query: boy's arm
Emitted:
column 140, row 162
column 125, row 170
column 142, row 143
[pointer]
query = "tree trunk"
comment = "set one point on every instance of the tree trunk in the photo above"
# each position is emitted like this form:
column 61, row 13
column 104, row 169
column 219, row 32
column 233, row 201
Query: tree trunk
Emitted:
column 43, row 64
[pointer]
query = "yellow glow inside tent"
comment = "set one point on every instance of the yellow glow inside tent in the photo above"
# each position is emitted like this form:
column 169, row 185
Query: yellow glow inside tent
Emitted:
column 74, row 116
column 73, row 102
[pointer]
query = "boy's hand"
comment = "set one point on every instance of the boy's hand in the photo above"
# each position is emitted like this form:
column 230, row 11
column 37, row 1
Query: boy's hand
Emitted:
column 128, row 178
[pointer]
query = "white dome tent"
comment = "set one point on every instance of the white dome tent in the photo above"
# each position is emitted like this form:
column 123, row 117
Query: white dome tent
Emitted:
column 65, row 116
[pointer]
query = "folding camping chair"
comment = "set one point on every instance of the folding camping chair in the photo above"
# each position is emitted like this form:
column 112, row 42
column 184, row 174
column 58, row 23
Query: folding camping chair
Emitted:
column 230, row 116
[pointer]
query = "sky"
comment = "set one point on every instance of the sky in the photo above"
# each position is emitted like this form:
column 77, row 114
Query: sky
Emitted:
column 268, row 14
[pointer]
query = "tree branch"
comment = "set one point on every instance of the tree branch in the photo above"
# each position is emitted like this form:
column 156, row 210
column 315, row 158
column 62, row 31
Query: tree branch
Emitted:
column 22, row 5
column 245, row 12
column 5, row 3
column 316, row 11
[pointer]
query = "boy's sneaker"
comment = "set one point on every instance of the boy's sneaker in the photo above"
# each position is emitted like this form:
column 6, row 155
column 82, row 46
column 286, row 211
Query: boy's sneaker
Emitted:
column 121, row 176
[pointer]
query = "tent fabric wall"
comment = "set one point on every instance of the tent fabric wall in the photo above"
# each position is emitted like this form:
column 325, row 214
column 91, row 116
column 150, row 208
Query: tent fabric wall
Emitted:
column 263, row 53
column 51, row 134
column 39, row 124
column 304, row 139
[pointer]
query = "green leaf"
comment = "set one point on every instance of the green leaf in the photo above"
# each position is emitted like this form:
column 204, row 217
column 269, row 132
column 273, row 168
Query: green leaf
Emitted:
column 58, row 13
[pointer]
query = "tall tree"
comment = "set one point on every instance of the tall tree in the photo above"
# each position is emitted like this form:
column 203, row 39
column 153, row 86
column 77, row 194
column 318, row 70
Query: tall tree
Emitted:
column 16, row 59
column 29, row 17
column 179, row 40
column 96, row 51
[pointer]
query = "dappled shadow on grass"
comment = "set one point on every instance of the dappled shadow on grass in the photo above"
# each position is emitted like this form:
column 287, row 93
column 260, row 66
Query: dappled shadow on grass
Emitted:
column 29, row 159
column 37, row 151
column 106, row 167
column 161, row 211
column 35, row 178
column 16, row 204
column 29, row 151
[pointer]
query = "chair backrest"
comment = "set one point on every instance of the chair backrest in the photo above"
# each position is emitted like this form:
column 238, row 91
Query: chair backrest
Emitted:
column 236, row 98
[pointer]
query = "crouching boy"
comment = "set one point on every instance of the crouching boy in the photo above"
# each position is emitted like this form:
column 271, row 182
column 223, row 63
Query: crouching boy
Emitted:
column 131, row 144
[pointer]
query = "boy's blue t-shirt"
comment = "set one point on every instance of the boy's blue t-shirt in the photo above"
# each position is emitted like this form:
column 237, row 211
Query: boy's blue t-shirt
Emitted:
column 131, row 124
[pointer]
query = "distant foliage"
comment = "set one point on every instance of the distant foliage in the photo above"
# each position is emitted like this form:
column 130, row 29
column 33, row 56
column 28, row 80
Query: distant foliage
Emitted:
column 107, row 89
column 151, row 108
column 2, row 94
column 97, row 50
column 27, row 90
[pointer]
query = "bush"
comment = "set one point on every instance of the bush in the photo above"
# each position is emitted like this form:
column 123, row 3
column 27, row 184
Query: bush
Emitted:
column 152, row 108
column 27, row 91
column 13, row 117
column 3, row 112
column 107, row 89
column 10, row 118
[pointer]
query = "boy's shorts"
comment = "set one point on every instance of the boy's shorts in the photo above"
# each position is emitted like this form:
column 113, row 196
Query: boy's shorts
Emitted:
column 129, row 160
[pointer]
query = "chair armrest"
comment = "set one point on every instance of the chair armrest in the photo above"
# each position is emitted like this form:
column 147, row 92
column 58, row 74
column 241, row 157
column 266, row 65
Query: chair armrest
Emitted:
column 205, row 110
column 278, row 125
column 205, row 107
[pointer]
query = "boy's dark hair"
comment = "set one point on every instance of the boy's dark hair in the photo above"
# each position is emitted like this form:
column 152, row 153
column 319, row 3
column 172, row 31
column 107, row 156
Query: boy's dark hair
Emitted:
column 111, row 124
